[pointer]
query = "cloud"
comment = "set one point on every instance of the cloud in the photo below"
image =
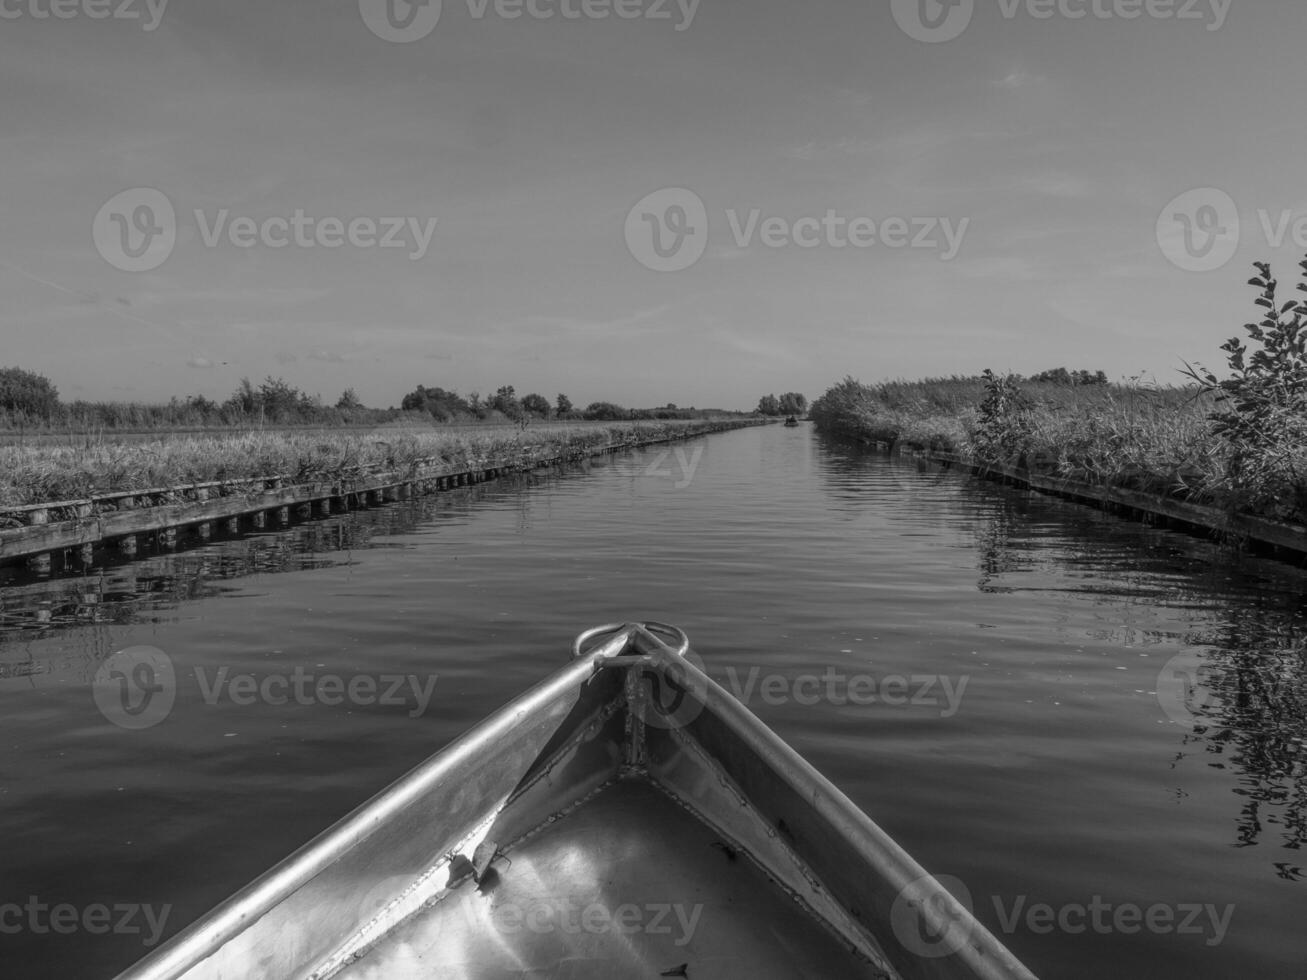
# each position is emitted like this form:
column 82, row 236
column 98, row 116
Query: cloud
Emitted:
column 1019, row 79
column 201, row 363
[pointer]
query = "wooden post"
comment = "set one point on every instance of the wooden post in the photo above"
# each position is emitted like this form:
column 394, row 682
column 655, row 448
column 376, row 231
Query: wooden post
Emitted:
column 261, row 519
column 283, row 515
column 324, row 506
column 204, row 530
column 234, row 525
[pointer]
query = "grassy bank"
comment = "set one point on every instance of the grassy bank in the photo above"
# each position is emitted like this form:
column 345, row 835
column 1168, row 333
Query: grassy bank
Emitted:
column 52, row 471
column 1238, row 442
column 1154, row 439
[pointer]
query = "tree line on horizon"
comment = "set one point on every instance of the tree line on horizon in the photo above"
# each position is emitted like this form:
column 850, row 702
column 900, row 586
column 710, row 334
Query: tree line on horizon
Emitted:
column 449, row 406
column 31, row 399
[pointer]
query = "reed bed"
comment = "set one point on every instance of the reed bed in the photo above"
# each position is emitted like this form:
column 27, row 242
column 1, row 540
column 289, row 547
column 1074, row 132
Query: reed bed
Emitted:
column 43, row 473
column 1147, row 438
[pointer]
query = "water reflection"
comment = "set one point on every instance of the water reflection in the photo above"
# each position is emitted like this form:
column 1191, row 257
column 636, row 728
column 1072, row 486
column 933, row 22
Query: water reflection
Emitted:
column 1244, row 617
column 121, row 590
column 1256, row 721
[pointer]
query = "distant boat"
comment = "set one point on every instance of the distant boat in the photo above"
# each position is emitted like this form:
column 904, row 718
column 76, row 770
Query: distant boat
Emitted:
column 791, row 422
column 625, row 781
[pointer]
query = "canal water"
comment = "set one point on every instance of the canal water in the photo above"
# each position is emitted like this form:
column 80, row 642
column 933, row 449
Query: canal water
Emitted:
column 1094, row 728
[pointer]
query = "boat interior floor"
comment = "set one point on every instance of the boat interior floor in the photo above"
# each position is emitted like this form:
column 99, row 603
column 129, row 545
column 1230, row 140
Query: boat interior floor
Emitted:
column 628, row 884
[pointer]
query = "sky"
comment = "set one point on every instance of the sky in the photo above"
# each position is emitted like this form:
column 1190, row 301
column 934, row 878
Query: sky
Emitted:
column 698, row 202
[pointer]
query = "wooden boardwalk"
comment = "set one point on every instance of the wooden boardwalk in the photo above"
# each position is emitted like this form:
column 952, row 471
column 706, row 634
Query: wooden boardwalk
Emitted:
column 72, row 529
column 1290, row 538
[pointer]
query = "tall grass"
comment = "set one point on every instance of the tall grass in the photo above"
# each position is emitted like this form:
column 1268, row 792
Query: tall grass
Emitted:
column 1149, row 438
column 46, row 473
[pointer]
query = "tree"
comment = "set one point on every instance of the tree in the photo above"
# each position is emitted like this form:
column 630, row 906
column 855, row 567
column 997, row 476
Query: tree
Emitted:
column 534, row 404
column 605, row 411
column 244, row 401
column 27, row 393
column 793, row 403
column 563, row 405
column 769, row 405
column 444, row 406
column 505, row 401
column 280, row 400
column 1061, row 376
column 348, row 401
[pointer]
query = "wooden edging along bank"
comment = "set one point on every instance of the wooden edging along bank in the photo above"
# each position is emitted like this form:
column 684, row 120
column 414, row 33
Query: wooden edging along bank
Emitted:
column 1212, row 520
column 80, row 525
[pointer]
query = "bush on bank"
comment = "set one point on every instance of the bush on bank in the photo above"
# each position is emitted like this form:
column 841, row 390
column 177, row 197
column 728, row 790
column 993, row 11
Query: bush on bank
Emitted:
column 1238, row 442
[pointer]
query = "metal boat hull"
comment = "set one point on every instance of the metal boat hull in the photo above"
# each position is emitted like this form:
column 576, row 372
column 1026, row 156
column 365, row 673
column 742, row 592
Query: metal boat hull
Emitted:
column 627, row 817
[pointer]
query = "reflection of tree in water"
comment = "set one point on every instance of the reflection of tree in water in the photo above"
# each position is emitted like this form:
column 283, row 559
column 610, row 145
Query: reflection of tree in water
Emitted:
column 1256, row 719
column 1247, row 615
column 997, row 552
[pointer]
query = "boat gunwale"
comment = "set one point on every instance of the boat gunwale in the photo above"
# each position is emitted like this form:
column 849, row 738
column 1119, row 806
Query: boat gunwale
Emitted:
column 941, row 914
column 204, row 937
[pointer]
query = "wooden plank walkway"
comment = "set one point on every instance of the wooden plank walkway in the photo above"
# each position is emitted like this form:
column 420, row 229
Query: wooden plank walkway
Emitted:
column 1290, row 537
column 66, row 526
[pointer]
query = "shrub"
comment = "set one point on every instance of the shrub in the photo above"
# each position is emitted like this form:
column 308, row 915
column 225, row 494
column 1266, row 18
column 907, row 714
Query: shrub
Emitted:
column 27, row 394
column 1261, row 408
